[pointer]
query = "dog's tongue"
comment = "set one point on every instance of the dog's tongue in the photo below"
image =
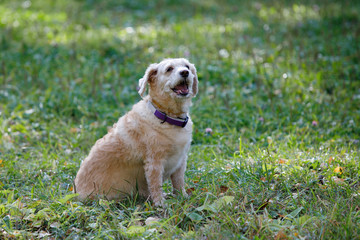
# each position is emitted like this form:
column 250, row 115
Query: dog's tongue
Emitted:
column 181, row 89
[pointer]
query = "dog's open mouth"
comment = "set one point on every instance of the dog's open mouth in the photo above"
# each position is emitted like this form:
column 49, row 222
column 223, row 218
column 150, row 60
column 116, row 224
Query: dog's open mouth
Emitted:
column 181, row 89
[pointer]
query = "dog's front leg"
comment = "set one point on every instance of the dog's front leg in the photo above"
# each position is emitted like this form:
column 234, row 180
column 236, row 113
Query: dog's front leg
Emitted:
column 177, row 179
column 154, row 177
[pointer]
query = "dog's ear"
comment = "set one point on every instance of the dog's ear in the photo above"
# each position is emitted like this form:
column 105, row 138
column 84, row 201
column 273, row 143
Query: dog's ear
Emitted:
column 195, row 82
column 149, row 76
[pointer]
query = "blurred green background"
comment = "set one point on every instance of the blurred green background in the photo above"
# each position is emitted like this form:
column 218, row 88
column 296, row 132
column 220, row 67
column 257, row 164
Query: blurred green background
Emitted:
column 283, row 61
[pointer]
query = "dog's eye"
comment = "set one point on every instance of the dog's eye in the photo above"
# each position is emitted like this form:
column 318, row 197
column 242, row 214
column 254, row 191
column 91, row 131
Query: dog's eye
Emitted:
column 169, row 69
column 187, row 66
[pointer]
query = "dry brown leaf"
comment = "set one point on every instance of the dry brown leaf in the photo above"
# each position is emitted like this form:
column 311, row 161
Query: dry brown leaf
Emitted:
column 190, row 190
column 281, row 236
column 339, row 170
column 223, row 189
column 74, row 130
column 282, row 161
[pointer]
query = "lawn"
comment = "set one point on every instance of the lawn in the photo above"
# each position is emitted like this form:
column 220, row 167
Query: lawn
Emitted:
column 275, row 152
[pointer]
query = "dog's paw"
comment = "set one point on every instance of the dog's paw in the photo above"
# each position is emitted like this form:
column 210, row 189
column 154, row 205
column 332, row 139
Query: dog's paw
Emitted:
column 180, row 193
column 165, row 195
column 160, row 203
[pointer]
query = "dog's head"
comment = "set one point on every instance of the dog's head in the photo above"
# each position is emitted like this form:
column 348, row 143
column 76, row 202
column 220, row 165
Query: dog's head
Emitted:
column 171, row 78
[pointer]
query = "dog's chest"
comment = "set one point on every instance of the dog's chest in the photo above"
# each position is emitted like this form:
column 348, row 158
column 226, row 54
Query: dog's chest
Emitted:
column 173, row 162
column 177, row 154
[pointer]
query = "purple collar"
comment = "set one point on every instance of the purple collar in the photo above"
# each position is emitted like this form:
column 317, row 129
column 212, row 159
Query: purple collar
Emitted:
column 180, row 122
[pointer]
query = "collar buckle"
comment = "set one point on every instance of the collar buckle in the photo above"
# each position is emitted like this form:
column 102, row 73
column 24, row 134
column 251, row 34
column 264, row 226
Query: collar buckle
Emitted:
column 185, row 122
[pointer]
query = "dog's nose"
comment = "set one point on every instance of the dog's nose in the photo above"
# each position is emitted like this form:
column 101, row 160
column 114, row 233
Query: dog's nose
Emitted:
column 184, row 73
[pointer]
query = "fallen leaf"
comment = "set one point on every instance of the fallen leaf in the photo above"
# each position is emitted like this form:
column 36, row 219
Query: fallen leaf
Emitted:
column 190, row 190
column 223, row 189
column 74, row 130
column 282, row 161
column 281, row 236
column 339, row 170
column 330, row 160
column 263, row 179
column 71, row 189
column 204, row 189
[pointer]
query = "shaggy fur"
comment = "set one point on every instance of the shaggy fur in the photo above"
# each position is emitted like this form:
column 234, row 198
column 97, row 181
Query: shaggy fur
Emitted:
column 140, row 151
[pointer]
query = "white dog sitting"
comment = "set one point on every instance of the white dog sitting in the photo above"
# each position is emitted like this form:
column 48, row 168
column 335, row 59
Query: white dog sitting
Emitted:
column 148, row 144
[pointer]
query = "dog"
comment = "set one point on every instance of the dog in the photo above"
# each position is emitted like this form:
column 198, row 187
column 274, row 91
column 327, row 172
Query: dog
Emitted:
column 147, row 145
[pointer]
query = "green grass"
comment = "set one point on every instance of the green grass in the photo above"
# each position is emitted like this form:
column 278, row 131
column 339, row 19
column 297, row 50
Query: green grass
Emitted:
column 279, row 87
